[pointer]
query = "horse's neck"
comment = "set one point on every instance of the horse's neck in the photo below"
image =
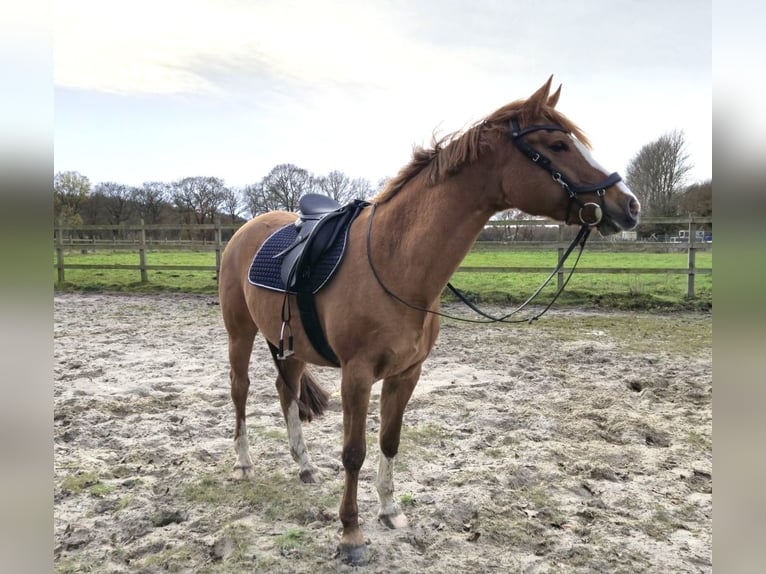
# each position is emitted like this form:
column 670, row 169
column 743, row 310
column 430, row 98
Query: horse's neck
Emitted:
column 428, row 232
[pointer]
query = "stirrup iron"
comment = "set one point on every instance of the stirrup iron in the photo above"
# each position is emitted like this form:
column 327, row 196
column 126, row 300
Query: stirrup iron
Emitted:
column 282, row 354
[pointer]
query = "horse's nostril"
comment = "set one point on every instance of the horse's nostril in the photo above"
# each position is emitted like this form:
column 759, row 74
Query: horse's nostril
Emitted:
column 634, row 207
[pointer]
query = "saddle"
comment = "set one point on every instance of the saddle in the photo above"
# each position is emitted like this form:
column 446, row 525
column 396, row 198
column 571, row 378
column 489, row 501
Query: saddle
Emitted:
column 321, row 221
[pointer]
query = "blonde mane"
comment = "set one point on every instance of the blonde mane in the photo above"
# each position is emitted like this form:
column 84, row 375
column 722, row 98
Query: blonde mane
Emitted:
column 447, row 155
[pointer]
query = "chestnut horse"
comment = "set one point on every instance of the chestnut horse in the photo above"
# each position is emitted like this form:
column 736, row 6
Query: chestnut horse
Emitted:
column 527, row 156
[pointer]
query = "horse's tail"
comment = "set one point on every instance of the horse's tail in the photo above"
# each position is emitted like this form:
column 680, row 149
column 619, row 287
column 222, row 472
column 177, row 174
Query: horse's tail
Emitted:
column 313, row 398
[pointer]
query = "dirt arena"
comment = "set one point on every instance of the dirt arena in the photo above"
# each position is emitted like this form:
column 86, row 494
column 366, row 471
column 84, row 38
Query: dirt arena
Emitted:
column 580, row 443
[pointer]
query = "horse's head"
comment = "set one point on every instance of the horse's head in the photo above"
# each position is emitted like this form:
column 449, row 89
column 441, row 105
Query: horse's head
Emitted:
column 548, row 169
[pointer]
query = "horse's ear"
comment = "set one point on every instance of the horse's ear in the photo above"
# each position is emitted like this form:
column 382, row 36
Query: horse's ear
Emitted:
column 539, row 98
column 553, row 99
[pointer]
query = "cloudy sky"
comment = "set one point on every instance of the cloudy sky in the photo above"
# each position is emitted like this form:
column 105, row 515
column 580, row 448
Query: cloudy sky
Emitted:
column 156, row 90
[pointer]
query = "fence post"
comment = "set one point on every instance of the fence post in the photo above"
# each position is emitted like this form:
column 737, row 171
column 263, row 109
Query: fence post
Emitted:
column 560, row 274
column 218, row 244
column 60, row 252
column 692, row 261
column 142, row 253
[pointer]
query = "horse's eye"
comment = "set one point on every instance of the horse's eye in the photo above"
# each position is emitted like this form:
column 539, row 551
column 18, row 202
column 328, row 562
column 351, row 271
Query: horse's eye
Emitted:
column 559, row 146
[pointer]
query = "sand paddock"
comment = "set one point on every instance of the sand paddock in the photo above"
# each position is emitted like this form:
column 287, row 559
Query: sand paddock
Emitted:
column 581, row 443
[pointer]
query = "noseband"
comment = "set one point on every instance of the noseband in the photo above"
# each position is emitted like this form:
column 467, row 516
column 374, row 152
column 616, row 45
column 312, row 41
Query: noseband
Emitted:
column 572, row 190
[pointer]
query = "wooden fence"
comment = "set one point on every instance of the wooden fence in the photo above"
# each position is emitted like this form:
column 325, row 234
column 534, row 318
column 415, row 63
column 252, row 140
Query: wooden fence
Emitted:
column 142, row 238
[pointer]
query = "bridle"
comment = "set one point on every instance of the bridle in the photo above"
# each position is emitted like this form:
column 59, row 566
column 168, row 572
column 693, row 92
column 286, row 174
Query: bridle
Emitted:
column 573, row 192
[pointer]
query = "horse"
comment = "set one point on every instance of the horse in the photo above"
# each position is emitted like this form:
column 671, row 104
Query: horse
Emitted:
column 526, row 155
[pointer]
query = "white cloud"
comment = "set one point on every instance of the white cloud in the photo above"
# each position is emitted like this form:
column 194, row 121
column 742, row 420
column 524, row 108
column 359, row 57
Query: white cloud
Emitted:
column 350, row 85
column 156, row 46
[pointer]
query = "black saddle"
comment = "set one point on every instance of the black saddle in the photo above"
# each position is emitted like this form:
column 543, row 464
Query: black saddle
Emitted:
column 321, row 220
column 315, row 205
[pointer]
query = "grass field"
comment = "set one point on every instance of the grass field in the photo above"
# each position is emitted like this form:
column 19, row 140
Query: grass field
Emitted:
column 623, row 291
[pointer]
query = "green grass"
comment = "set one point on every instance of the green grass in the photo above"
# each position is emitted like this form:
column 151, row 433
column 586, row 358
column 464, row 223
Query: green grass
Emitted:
column 605, row 290
column 623, row 291
column 291, row 539
column 76, row 483
column 272, row 495
column 407, row 499
column 130, row 279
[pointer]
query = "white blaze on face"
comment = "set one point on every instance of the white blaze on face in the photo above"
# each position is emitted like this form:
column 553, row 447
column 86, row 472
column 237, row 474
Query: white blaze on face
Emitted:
column 585, row 152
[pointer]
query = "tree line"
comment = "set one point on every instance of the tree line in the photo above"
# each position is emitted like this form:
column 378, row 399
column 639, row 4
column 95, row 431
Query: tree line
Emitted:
column 194, row 199
column 657, row 174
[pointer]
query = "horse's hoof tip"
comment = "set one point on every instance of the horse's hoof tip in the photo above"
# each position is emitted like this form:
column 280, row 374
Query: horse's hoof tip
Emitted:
column 394, row 521
column 243, row 473
column 354, row 555
column 309, row 477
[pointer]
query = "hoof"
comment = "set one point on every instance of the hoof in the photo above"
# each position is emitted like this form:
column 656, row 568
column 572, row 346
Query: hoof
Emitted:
column 309, row 476
column 393, row 521
column 243, row 473
column 354, row 555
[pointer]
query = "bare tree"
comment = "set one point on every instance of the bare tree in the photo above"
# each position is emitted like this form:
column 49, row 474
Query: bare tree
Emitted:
column 253, row 197
column 151, row 200
column 198, row 198
column 70, row 193
column 657, row 173
column 342, row 188
column 116, row 201
column 336, row 185
column 231, row 203
column 279, row 190
column 360, row 188
column 697, row 199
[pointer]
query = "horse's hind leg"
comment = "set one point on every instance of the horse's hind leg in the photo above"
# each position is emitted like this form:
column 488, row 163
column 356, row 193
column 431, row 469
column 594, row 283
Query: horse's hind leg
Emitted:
column 294, row 383
column 240, row 347
column 395, row 395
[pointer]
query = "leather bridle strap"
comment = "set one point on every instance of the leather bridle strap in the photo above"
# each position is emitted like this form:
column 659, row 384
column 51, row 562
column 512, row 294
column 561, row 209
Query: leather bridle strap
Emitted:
column 573, row 191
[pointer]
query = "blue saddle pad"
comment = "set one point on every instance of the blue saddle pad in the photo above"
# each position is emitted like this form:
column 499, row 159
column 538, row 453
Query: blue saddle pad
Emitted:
column 265, row 268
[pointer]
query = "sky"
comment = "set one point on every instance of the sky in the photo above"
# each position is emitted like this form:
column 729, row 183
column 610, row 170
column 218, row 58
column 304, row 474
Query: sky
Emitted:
column 158, row 90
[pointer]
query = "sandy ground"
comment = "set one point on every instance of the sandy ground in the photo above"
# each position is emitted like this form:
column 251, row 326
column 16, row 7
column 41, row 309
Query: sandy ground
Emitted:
column 582, row 443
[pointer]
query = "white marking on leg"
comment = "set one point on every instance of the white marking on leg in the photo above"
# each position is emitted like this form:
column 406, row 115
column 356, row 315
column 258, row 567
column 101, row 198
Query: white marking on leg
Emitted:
column 390, row 513
column 297, row 445
column 244, row 465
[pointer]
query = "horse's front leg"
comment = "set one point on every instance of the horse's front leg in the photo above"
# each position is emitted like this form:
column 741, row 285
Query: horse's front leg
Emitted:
column 355, row 395
column 395, row 395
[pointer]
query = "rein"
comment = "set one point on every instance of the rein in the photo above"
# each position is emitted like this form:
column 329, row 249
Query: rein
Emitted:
column 581, row 238
column 573, row 192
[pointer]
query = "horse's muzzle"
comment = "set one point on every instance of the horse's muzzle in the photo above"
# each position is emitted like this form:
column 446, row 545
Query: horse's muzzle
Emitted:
column 624, row 219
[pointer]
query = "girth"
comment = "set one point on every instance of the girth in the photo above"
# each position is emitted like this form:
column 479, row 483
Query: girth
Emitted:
column 321, row 220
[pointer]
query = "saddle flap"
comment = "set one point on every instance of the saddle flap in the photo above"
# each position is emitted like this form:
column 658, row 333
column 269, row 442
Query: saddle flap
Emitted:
column 288, row 269
column 314, row 238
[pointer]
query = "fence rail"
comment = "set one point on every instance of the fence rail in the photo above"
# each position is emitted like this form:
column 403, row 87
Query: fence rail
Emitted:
column 70, row 238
